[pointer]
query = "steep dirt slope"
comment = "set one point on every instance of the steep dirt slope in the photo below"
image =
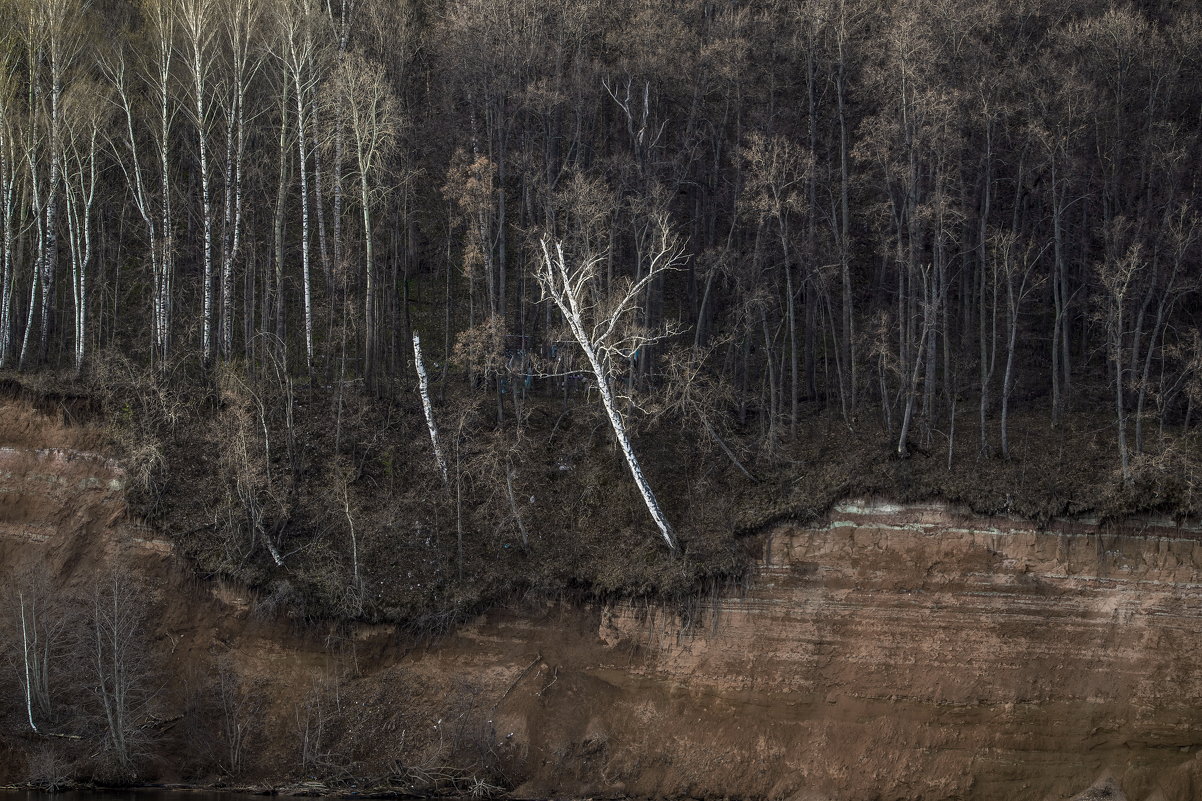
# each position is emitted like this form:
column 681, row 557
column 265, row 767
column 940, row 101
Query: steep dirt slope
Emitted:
column 894, row 652
column 61, row 502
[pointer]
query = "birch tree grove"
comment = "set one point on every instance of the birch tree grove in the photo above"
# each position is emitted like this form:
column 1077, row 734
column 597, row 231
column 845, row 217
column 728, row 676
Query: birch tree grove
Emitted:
column 52, row 43
column 866, row 216
column 395, row 311
column 143, row 152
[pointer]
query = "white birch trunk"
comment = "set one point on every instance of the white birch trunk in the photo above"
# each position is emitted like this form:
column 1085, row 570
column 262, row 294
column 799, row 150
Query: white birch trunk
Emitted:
column 79, row 194
column 35, row 197
column 207, row 213
column 6, row 295
column 81, row 341
column 166, row 266
column 615, row 420
column 240, row 21
column 198, row 21
column 25, row 651
column 423, row 385
column 74, row 251
column 369, row 300
column 225, row 280
column 50, row 231
column 8, row 212
column 274, row 551
column 139, row 186
column 565, row 292
column 296, row 67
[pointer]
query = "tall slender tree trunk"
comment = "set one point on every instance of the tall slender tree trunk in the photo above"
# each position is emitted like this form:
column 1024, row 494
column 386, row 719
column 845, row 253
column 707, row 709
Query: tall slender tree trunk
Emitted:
column 369, row 299
column 200, row 108
column 845, row 227
column 50, row 231
column 302, row 163
column 560, row 286
column 986, row 313
column 27, row 657
column 791, row 310
column 166, row 272
column 423, row 386
column 277, row 305
column 8, row 220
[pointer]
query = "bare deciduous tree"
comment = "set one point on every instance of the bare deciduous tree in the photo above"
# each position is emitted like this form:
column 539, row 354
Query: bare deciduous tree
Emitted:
column 1118, row 275
column 601, row 327
column 198, row 25
column 121, row 668
column 360, row 103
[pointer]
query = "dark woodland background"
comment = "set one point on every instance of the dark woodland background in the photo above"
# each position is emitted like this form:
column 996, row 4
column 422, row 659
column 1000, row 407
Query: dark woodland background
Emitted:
column 926, row 248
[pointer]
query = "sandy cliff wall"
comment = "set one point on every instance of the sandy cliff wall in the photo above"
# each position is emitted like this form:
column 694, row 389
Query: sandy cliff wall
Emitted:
column 890, row 653
column 894, row 653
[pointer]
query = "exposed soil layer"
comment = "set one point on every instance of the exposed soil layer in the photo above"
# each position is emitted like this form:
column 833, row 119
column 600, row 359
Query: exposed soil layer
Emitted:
column 888, row 652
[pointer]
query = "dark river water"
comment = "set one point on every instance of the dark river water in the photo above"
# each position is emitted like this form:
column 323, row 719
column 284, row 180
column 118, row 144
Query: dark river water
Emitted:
column 128, row 795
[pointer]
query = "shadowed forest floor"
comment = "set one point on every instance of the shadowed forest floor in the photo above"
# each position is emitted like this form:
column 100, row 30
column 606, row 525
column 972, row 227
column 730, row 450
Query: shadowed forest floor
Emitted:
column 545, row 507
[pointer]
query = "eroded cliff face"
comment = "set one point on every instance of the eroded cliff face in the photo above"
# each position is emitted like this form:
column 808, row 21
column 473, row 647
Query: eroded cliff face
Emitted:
column 893, row 652
column 896, row 652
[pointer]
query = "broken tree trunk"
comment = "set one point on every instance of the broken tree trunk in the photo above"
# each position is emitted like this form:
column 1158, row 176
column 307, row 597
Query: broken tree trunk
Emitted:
column 423, row 385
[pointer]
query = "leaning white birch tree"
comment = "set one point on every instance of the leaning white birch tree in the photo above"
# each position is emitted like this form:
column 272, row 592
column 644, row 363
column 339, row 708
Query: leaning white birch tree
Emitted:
column 600, row 323
column 423, row 386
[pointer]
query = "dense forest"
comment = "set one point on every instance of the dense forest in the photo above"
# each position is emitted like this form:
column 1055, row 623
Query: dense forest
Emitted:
column 667, row 262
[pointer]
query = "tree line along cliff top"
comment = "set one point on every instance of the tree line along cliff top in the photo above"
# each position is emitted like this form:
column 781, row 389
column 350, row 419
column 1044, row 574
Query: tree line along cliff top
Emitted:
column 678, row 271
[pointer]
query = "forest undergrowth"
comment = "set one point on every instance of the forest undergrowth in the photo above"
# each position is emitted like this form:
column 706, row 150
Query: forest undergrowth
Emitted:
column 238, row 470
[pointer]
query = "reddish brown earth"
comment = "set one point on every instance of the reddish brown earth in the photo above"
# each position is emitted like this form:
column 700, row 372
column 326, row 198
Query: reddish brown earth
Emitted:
column 894, row 652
